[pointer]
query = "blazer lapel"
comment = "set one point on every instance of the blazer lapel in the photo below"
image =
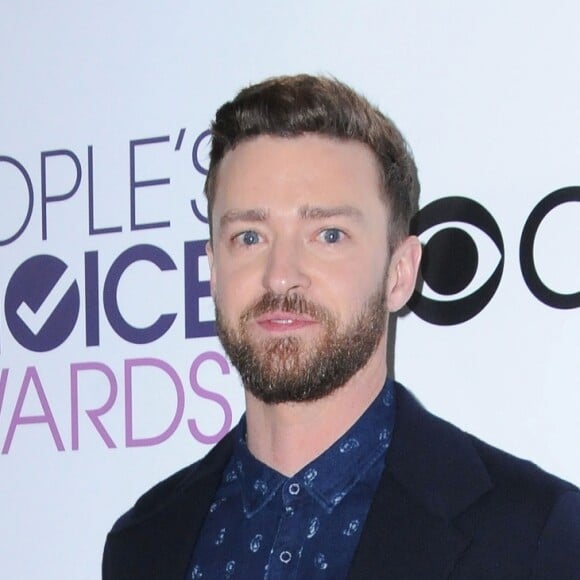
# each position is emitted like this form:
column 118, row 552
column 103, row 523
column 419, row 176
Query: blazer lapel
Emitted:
column 432, row 474
column 160, row 543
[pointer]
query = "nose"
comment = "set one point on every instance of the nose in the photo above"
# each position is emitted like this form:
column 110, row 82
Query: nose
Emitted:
column 285, row 268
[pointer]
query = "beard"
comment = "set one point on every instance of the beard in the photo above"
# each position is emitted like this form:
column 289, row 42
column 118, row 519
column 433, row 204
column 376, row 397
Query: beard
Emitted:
column 288, row 369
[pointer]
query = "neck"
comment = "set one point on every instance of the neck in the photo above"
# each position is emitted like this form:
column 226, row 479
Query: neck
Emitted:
column 288, row 436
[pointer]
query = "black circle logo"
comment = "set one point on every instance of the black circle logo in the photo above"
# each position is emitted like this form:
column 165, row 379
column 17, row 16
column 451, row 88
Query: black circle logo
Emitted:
column 452, row 259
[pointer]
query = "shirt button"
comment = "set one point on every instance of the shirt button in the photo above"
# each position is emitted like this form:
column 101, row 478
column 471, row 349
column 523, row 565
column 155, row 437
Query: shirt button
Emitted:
column 294, row 488
column 285, row 557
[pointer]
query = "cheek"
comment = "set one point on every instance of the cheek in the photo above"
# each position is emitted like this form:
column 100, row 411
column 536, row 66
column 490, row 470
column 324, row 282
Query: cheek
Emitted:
column 234, row 290
column 363, row 273
column 345, row 290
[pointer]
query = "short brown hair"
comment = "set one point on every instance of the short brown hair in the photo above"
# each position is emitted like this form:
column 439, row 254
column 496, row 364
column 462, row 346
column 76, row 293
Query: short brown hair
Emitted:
column 290, row 106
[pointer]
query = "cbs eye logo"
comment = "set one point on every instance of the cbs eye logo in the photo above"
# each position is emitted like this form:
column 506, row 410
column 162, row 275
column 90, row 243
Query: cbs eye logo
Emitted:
column 463, row 258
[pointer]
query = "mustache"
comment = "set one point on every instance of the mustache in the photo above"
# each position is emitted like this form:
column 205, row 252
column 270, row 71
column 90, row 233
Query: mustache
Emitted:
column 294, row 303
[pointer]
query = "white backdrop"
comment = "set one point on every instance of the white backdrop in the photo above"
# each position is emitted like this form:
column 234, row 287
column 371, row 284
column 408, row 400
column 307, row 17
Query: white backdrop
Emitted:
column 107, row 100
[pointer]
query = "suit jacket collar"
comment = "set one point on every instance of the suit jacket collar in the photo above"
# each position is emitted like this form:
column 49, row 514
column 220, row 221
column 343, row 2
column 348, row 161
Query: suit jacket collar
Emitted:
column 156, row 538
column 432, row 475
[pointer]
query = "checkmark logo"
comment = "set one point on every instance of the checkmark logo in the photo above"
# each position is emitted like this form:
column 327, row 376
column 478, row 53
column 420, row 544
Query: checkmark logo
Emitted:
column 42, row 303
column 35, row 320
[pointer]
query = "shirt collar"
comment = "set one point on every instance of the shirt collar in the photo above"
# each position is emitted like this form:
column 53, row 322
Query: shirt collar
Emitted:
column 332, row 475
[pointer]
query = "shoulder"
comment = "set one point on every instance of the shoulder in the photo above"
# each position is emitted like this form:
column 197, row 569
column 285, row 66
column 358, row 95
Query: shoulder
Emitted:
column 508, row 506
column 155, row 537
column 446, row 450
column 519, row 475
column 523, row 484
column 533, row 516
column 177, row 487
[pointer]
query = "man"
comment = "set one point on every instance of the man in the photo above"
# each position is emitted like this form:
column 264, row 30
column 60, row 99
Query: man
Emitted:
column 335, row 471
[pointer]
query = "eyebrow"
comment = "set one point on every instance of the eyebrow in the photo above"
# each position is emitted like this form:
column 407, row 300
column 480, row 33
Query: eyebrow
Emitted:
column 306, row 212
column 317, row 212
column 243, row 215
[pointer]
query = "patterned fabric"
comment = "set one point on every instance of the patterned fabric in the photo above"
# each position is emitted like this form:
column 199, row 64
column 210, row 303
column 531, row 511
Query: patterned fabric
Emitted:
column 265, row 525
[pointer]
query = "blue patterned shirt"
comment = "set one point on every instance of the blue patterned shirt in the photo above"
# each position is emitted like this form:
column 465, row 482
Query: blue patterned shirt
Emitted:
column 263, row 524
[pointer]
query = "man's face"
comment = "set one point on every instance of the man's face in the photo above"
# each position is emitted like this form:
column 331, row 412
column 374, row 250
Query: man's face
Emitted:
column 298, row 263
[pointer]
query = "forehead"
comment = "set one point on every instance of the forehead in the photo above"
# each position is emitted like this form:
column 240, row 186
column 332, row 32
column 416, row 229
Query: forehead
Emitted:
column 297, row 171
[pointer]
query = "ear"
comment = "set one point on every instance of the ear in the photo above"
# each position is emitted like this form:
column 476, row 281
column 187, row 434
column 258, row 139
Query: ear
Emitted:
column 209, row 252
column 402, row 273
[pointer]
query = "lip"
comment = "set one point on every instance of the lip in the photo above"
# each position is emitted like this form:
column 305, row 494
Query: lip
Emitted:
column 280, row 321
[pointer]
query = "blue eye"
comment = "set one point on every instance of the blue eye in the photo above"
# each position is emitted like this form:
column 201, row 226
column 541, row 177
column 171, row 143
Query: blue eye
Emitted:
column 331, row 235
column 249, row 238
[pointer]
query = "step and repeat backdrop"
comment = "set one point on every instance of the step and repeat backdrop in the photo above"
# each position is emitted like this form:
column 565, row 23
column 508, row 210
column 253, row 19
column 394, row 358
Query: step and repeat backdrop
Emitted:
column 111, row 376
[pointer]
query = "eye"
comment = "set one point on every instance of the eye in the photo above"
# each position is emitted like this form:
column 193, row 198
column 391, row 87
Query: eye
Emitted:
column 247, row 238
column 462, row 262
column 331, row 235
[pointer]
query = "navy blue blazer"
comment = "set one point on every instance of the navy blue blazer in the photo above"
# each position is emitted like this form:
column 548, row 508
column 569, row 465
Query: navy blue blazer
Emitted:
column 448, row 507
